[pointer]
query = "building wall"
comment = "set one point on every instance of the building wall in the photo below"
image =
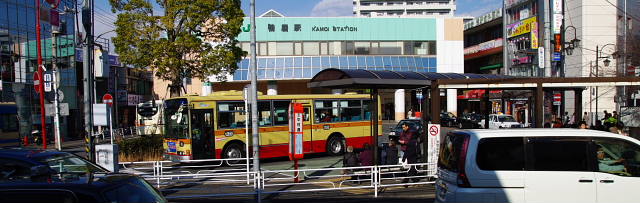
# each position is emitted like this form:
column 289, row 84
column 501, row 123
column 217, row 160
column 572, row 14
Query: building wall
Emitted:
column 403, row 8
column 595, row 22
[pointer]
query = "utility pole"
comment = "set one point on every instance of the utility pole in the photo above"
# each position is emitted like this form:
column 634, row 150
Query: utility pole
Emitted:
column 43, row 120
column 87, row 22
column 56, row 118
column 255, row 134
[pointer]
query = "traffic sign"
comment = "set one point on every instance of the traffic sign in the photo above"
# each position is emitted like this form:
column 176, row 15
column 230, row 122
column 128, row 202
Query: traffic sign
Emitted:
column 60, row 95
column 36, row 82
column 557, row 97
column 107, row 99
column 47, row 77
column 47, row 86
column 434, row 130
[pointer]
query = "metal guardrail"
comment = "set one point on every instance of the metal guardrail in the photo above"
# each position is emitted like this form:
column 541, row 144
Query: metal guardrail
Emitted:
column 235, row 179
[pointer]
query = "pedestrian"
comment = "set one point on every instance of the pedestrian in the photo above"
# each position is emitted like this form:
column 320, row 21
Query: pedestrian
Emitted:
column 583, row 125
column 392, row 153
column 587, row 119
column 410, row 114
column 408, row 139
column 366, row 156
column 350, row 159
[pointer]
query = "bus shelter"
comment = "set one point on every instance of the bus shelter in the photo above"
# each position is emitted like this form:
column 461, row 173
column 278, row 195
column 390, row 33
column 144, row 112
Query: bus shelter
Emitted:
column 432, row 83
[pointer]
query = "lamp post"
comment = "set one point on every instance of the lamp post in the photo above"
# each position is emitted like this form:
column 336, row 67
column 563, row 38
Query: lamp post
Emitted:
column 606, row 64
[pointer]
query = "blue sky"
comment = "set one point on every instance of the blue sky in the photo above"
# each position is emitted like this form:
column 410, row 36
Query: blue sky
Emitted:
column 297, row 8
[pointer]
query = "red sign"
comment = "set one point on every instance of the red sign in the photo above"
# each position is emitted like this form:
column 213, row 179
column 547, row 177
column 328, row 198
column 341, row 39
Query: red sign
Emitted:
column 557, row 97
column 36, row 82
column 107, row 99
column 434, row 130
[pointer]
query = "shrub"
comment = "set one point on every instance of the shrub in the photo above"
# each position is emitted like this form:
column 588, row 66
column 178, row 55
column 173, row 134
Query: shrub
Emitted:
column 146, row 148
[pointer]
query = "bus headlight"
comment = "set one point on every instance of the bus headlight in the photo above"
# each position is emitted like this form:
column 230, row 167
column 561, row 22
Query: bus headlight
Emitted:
column 181, row 144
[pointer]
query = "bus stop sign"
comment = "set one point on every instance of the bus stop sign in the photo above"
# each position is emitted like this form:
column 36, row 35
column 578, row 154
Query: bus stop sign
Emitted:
column 296, row 113
column 107, row 99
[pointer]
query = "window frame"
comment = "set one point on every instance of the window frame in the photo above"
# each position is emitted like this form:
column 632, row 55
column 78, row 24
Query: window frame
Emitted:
column 217, row 114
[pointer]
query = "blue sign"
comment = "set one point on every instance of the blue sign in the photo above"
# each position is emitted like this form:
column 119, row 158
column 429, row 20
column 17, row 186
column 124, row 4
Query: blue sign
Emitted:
column 172, row 146
column 557, row 56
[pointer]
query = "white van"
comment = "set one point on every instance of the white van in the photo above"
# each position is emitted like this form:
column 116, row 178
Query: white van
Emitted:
column 538, row 165
column 498, row 121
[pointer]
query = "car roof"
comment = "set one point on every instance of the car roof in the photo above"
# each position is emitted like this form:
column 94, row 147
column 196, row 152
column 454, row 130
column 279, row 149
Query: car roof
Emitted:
column 93, row 180
column 28, row 154
column 537, row 132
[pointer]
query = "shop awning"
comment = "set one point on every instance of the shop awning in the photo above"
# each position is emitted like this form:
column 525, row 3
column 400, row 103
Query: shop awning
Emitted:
column 489, row 67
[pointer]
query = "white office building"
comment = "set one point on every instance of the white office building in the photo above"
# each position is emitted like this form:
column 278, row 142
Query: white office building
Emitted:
column 403, row 8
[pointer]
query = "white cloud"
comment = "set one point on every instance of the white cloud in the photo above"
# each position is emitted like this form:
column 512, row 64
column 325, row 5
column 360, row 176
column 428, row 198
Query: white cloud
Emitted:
column 333, row 8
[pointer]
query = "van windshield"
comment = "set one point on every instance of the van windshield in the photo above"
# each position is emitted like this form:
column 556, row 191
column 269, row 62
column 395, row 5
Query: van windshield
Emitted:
column 450, row 150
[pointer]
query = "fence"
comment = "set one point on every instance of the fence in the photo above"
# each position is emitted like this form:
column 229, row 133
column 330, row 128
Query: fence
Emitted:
column 232, row 177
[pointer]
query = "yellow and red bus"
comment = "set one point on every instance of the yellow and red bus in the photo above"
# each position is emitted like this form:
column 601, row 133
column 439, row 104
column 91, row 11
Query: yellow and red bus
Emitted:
column 214, row 126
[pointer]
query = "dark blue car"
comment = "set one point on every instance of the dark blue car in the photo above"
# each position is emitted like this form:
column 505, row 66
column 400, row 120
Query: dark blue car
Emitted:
column 64, row 177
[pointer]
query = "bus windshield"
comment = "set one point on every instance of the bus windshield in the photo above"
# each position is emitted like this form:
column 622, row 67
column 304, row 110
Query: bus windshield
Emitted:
column 176, row 119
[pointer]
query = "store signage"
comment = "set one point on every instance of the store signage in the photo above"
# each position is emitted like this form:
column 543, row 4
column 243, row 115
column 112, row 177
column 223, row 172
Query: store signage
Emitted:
column 535, row 43
column 522, row 27
column 495, row 14
column 541, row 57
column 557, row 6
column 522, row 60
column 133, row 99
column 483, row 46
column 557, row 56
column 557, row 23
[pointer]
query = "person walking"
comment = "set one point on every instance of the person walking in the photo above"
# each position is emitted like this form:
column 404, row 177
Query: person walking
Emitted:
column 350, row 159
column 408, row 139
column 587, row 119
column 392, row 153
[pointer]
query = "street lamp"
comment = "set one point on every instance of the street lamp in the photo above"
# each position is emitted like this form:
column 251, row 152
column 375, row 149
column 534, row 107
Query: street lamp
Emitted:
column 572, row 44
column 606, row 64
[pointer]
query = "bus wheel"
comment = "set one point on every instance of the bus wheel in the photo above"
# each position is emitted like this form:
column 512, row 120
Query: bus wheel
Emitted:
column 233, row 151
column 335, row 145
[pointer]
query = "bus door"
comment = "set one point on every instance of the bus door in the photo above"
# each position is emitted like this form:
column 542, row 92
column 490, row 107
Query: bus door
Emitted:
column 308, row 129
column 202, row 139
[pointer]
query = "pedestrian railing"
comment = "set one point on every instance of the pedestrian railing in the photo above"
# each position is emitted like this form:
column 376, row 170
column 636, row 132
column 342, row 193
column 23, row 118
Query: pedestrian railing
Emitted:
column 233, row 177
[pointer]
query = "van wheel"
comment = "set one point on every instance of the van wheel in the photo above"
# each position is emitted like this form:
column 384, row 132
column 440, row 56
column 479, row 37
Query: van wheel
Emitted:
column 335, row 145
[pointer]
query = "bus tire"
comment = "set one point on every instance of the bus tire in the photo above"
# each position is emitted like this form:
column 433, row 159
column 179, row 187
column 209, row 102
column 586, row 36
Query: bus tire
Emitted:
column 234, row 150
column 335, row 145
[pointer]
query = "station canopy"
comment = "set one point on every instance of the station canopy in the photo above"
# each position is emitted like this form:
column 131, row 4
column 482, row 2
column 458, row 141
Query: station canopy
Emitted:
column 384, row 79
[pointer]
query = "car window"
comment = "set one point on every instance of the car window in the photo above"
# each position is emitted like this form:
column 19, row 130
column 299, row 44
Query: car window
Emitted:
column 501, row 154
column 558, row 154
column 68, row 163
column 617, row 156
column 11, row 170
column 135, row 190
column 450, row 150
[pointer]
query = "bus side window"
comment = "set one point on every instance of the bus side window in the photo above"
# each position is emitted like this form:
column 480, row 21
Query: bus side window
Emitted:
column 281, row 112
column 306, row 113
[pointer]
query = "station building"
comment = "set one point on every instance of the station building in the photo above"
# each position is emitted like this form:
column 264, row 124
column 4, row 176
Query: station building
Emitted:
column 291, row 50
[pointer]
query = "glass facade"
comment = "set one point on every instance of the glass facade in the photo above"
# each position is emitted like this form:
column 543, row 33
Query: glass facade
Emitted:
column 305, row 67
column 18, row 59
column 320, row 48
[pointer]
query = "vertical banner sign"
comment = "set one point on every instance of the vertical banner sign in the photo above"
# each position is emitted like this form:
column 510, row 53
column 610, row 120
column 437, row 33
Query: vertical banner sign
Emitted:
column 540, row 57
column 296, row 113
column 557, row 16
column 433, row 141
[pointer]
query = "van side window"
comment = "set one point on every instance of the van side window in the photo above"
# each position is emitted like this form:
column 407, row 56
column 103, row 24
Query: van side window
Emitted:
column 616, row 156
column 558, row 154
column 450, row 151
column 501, row 154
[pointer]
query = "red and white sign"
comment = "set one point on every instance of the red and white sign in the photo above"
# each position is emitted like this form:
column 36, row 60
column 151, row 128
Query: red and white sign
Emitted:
column 433, row 141
column 296, row 129
column 36, row 82
column 557, row 97
column 107, row 99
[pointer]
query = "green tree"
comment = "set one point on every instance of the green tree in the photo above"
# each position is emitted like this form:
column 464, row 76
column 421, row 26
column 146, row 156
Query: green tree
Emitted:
column 190, row 38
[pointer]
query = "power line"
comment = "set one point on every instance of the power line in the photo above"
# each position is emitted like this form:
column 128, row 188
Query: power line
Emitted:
column 623, row 11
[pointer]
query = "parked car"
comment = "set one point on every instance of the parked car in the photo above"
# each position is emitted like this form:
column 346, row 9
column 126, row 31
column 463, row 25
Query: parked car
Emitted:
column 538, row 165
column 469, row 120
column 497, row 121
column 63, row 177
column 416, row 124
column 448, row 119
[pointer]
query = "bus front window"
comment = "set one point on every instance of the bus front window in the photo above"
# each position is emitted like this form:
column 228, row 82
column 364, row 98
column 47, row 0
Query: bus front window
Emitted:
column 177, row 119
